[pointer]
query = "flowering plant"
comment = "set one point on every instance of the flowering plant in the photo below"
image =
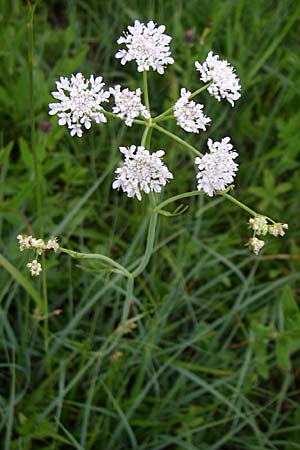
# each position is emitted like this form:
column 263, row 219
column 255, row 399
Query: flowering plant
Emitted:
column 80, row 102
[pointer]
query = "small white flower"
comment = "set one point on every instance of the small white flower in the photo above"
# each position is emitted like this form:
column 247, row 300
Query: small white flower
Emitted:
column 38, row 245
column 141, row 171
column 35, row 268
column 147, row 45
column 128, row 104
column 189, row 114
column 24, row 242
column 79, row 102
column 259, row 224
column 225, row 83
column 278, row 229
column 52, row 244
column 255, row 245
column 217, row 169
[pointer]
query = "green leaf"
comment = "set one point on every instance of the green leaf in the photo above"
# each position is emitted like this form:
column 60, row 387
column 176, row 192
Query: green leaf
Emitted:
column 290, row 309
column 179, row 210
column 261, row 334
column 283, row 351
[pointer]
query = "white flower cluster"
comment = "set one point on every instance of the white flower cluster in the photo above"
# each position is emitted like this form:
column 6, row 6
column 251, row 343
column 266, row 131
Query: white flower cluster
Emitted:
column 80, row 102
column 128, row 104
column 259, row 224
column 147, row 45
column 217, row 168
column 224, row 82
column 141, row 171
column 39, row 246
column 255, row 244
column 35, row 268
column 189, row 114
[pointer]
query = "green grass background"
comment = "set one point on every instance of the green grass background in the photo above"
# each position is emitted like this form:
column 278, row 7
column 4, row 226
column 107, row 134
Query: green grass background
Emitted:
column 213, row 362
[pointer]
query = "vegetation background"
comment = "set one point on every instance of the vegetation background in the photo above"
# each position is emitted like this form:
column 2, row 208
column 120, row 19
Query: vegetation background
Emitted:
column 214, row 360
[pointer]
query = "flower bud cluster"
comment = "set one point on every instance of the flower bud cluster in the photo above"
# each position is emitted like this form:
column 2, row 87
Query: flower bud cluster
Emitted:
column 259, row 224
column 39, row 246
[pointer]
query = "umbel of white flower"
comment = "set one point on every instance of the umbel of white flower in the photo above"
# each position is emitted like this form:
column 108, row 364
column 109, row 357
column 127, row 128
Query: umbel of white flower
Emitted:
column 189, row 114
column 224, row 82
column 141, row 171
column 79, row 102
column 147, row 45
column 217, row 168
column 39, row 246
column 128, row 104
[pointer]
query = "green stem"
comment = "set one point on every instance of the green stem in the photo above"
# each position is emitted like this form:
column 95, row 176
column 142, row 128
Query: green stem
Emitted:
column 99, row 257
column 31, row 9
column 115, row 116
column 37, row 168
column 128, row 299
column 150, row 239
column 146, row 91
column 146, row 137
column 163, row 119
column 175, row 198
column 223, row 194
column 238, row 203
column 170, row 110
column 177, row 139
column 203, row 88
column 45, row 302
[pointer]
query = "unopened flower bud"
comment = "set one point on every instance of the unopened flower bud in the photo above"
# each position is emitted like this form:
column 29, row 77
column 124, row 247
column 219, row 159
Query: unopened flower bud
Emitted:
column 35, row 268
column 259, row 224
column 278, row 229
column 255, row 245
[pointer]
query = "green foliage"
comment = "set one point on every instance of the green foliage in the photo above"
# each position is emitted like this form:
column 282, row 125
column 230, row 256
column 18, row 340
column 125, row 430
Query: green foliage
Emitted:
column 210, row 356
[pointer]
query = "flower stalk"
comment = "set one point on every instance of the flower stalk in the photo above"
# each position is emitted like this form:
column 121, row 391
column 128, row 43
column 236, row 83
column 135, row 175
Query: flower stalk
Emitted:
column 37, row 166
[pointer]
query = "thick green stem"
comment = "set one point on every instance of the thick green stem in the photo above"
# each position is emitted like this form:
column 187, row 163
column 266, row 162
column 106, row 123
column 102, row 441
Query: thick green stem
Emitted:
column 128, row 299
column 177, row 139
column 150, row 239
column 146, row 135
column 37, row 167
column 97, row 256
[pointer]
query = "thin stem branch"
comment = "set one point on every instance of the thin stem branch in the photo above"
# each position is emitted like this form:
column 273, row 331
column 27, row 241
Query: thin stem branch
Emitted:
column 203, row 88
column 37, row 166
column 177, row 197
column 238, row 203
column 177, row 139
column 99, row 257
column 115, row 116
column 170, row 110
column 146, row 91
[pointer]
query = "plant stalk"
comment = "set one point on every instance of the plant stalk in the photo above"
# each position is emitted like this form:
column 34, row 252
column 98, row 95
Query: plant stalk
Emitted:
column 37, row 168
